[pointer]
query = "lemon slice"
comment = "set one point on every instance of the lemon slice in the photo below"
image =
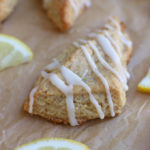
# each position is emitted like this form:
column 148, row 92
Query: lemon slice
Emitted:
column 144, row 85
column 53, row 144
column 13, row 52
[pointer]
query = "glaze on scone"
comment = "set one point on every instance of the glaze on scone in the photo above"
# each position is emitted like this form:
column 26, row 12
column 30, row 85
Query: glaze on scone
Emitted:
column 88, row 81
column 64, row 12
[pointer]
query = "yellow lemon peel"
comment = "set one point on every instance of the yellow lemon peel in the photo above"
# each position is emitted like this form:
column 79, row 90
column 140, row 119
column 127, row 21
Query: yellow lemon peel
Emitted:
column 53, row 144
column 144, row 85
column 13, row 52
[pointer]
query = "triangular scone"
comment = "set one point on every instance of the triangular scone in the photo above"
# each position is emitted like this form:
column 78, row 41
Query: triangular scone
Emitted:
column 88, row 81
column 6, row 7
column 64, row 12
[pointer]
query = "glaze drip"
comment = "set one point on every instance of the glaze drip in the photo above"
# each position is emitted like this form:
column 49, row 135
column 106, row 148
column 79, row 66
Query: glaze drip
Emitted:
column 32, row 99
column 68, row 92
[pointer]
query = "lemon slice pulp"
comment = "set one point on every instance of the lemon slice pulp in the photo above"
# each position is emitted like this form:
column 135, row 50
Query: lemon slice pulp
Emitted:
column 53, row 144
column 13, row 52
column 144, row 85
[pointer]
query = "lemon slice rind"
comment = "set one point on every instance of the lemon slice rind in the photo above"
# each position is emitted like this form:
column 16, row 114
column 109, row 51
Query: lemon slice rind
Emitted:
column 144, row 85
column 14, row 52
column 20, row 46
column 54, row 142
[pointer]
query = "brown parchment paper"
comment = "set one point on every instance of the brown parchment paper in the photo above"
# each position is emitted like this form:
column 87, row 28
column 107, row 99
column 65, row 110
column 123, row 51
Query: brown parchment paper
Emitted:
column 129, row 131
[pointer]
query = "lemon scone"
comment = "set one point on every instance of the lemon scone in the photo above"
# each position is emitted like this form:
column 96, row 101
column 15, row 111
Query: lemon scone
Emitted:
column 6, row 7
column 88, row 81
column 64, row 12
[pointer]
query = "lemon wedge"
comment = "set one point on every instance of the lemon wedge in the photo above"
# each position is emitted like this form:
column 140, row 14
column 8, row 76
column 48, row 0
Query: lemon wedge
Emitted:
column 53, row 144
column 13, row 52
column 144, row 85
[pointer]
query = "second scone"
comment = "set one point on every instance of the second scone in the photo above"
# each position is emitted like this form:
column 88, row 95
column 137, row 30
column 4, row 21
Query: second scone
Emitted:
column 64, row 12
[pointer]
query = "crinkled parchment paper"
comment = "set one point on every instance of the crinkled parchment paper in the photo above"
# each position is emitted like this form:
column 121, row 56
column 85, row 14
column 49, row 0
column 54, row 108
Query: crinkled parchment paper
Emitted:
column 129, row 131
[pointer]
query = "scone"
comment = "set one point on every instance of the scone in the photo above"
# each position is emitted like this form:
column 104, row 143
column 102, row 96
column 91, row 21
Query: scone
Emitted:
column 88, row 81
column 6, row 7
column 64, row 12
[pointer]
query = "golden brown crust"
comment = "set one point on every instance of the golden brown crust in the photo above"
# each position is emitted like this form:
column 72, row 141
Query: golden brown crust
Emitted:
column 50, row 103
column 6, row 7
column 66, row 25
column 56, row 120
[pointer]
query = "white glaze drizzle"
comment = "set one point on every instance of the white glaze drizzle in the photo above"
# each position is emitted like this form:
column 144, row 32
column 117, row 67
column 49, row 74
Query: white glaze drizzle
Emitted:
column 82, row 41
column 107, row 66
column 127, row 74
column 76, row 44
column 107, row 26
column 122, row 36
column 127, row 42
column 68, row 91
column 86, row 3
column 124, row 39
column 122, row 79
column 115, row 23
column 74, row 79
column 32, row 99
column 107, row 47
column 92, row 35
column 55, row 64
column 100, row 76
column 75, row 7
column 109, row 50
column 113, row 42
